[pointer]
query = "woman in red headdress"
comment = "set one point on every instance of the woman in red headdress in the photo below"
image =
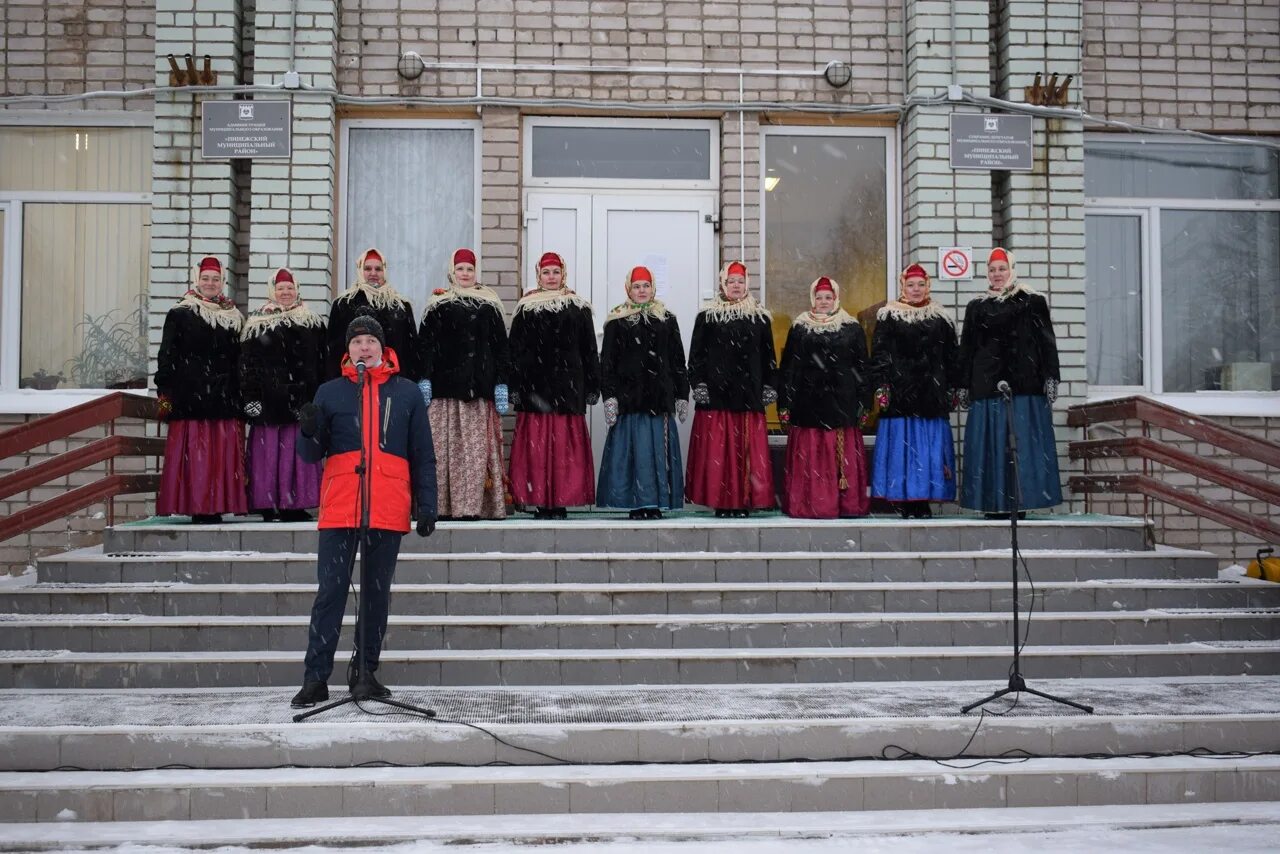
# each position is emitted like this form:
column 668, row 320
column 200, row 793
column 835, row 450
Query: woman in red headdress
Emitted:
column 464, row 367
column 643, row 380
column 555, row 376
column 823, row 396
column 373, row 294
column 732, row 370
column 914, row 366
column 280, row 364
column 1008, row 338
column 197, row 378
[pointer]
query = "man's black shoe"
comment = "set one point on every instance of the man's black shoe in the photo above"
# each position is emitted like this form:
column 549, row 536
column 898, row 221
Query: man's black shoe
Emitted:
column 312, row 692
column 368, row 687
column 206, row 519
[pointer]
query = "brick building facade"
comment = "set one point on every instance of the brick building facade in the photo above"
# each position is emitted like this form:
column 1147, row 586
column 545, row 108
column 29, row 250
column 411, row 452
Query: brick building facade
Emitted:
column 491, row 76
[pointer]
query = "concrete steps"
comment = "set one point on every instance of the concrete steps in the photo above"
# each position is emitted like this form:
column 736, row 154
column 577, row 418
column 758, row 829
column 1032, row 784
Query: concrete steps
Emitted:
column 123, row 633
column 781, row 597
column 661, row 788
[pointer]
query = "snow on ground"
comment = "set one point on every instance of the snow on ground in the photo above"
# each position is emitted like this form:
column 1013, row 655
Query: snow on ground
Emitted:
column 1237, row 838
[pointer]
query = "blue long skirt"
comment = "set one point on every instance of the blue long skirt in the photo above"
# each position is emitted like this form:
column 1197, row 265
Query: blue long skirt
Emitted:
column 915, row 460
column 985, row 457
column 641, row 464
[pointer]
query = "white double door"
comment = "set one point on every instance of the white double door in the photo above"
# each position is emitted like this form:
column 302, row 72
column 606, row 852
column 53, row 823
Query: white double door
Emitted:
column 602, row 235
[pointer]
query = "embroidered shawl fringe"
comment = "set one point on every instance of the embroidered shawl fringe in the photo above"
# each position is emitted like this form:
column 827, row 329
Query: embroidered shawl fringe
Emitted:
column 481, row 294
column 722, row 311
column 830, row 323
column 1015, row 288
column 550, row 301
column 264, row 321
column 908, row 313
column 633, row 312
column 384, row 297
column 222, row 313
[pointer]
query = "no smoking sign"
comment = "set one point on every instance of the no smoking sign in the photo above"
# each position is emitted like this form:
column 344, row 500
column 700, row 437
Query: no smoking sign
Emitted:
column 955, row 262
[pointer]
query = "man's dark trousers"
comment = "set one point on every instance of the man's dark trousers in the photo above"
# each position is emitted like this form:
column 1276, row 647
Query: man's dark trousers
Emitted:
column 333, row 570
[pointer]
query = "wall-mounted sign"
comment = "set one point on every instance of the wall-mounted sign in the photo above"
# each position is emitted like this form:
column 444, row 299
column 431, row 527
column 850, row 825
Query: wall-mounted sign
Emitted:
column 955, row 262
column 990, row 141
column 234, row 129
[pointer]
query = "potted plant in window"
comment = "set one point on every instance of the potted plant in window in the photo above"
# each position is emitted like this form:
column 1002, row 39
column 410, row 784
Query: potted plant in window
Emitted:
column 41, row 380
column 113, row 352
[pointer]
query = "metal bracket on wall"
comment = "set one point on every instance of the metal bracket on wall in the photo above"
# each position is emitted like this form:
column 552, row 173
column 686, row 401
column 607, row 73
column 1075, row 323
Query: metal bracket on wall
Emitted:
column 189, row 76
column 1051, row 95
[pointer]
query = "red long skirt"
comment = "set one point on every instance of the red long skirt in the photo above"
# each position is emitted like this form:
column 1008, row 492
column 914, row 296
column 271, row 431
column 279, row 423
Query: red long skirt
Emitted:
column 729, row 466
column 551, row 462
column 826, row 473
column 203, row 468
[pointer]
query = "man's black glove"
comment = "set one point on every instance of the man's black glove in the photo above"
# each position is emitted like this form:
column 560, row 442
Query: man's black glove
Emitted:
column 426, row 527
column 309, row 419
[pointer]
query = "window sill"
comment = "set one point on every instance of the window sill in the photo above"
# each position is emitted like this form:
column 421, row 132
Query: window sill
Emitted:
column 1222, row 404
column 34, row 402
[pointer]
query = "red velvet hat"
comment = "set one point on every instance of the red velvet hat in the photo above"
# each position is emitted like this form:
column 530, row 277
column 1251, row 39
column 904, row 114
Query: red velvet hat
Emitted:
column 998, row 254
column 210, row 263
column 824, row 284
column 640, row 274
column 374, row 255
column 550, row 259
column 464, row 256
column 736, row 268
column 915, row 271
column 283, row 275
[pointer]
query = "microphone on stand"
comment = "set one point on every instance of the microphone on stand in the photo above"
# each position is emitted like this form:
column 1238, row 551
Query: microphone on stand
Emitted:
column 1003, row 388
column 360, row 369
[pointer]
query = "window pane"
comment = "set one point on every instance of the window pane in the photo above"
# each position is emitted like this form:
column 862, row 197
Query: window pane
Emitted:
column 1113, row 301
column 655, row 154
column 825, row 210
column 1220, row 299
column 411, row 193
column 1163, row 170
column 84, row 275
column 102, row 159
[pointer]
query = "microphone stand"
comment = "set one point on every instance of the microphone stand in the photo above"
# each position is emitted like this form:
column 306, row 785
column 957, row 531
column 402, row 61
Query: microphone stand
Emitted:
column 1013, row 490
column 366, row 418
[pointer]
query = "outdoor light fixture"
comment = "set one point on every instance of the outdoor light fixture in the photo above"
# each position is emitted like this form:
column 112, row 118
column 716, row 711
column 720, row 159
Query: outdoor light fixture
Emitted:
column 837, row 73
column 410, row 66
column 770, row 181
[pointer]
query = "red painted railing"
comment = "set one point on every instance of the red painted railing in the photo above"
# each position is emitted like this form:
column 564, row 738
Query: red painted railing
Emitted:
column 63, row 425
column 1153, row 414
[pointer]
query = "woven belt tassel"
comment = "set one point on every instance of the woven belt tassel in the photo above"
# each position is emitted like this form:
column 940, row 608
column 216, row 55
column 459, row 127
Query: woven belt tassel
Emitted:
column 844, row 482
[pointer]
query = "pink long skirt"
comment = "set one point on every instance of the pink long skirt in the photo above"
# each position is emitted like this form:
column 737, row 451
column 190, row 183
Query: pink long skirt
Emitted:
column 826, row 474
column 468, row 442
column 278, row 478
column 729, row 466
column 203, row 468
column 551, row 462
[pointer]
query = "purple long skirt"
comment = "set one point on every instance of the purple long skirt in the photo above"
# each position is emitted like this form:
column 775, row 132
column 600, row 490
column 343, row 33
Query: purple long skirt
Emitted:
column 278, row 478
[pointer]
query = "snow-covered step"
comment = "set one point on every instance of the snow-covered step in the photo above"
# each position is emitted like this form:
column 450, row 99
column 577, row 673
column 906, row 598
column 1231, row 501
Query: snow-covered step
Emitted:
column 215, row 668
column 1185, row 826
column 619, row 567
column 783, row 597
column 124, row 633
column 680, row 533
column 239, row 728
column 179, row 795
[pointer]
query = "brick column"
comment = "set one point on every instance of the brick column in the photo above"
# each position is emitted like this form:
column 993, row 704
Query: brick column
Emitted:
column 501, row 223
column 941, row 206
column 1040, row 214
column 193, row 200
column 291, row 220
column 740, row 202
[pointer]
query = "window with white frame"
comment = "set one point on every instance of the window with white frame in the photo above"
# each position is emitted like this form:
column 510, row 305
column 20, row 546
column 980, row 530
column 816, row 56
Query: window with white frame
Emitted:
column 1182, row 265
column 75, row 243
column 828, row 209
column 411, row 189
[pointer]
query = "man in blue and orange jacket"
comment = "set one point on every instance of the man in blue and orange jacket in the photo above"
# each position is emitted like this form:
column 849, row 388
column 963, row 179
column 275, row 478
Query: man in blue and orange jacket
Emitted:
column 402, row 464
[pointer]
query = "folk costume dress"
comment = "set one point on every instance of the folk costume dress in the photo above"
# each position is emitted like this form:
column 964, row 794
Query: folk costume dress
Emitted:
column 823, row 394
column 644, row 384
column 1008, row 335
column 197, row 377
column 555, row 376
column 281, row 357
column 733, row 373
column 392, row 310
column 464, row 372
column 915, row 369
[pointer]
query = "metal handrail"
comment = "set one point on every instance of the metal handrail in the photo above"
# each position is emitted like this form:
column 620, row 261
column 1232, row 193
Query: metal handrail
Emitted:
column 63, row 425
column 1154, row 414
